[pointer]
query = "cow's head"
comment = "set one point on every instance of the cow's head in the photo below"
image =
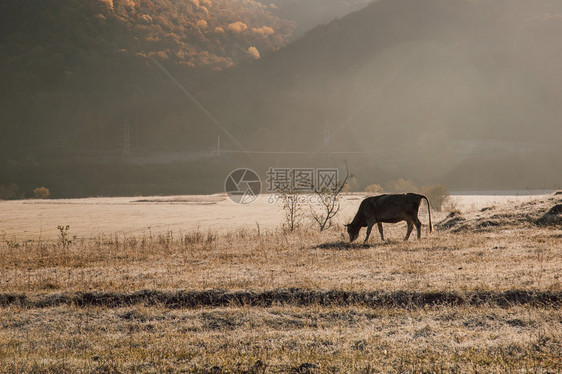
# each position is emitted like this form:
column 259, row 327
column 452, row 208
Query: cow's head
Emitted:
column 353, row 231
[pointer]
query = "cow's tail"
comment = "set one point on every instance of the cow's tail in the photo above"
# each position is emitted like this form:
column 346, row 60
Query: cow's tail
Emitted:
column 429, row 212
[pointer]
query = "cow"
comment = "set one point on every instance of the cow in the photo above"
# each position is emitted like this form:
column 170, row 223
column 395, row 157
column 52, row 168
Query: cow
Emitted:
column 388, row 209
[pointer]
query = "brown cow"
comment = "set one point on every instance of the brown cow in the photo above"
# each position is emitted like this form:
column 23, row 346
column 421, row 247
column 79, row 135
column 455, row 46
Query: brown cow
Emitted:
column 388, row 209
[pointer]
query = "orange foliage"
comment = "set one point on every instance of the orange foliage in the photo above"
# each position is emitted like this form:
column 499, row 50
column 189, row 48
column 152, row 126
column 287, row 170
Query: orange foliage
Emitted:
column 176, row 30
column 237, row 27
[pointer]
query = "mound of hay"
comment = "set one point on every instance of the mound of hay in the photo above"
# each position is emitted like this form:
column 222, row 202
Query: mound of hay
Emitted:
column 454, row 222
column 551, row 218
column 506, row 216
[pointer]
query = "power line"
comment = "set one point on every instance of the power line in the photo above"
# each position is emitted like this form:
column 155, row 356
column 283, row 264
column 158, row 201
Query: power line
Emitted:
column 300, row 152
column 199, row 105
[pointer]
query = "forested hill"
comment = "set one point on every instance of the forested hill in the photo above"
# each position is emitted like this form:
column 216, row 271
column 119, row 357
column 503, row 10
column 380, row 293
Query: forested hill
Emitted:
column 71, row 69
column 464, row 91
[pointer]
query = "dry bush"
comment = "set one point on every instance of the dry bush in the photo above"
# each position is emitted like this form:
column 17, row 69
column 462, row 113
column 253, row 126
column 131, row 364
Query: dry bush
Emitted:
column 329, row 201
column 41, row 193
column 352, row 185
column 437, row 194
column 374, row 188
column 293, row 204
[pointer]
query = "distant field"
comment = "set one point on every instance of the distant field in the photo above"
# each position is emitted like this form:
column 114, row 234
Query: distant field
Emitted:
column 132, row 216
column 481, row 294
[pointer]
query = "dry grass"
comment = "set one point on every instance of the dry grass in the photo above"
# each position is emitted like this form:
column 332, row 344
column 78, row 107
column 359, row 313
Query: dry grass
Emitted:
column 509, row 256
column 521, row 258
column 351, row 339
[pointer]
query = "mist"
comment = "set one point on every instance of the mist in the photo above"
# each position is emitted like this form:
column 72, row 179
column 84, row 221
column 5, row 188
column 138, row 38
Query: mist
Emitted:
column 460, row 92
column 158, row 98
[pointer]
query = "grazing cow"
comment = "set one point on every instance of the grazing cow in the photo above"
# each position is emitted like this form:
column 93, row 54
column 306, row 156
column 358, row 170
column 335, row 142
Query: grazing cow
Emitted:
column 388, row 209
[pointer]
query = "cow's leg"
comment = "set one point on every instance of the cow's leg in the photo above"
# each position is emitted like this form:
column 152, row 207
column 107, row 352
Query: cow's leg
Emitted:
column 369, row 228
column 410, row 228
column 418, row 227
column 380, row 230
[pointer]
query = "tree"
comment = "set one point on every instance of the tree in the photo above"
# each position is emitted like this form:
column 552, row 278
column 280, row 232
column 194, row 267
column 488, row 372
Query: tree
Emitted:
column 41, row 193
column 374, row 188
column 329, row 202
column 292, row 205
column 437, row 194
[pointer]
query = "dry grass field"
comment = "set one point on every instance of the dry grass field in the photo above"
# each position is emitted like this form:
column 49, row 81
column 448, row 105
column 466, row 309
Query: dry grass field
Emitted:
column 481, row 294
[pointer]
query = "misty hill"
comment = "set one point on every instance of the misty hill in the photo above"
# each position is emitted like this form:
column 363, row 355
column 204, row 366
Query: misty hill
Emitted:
column 307, row 14
column 426, row 85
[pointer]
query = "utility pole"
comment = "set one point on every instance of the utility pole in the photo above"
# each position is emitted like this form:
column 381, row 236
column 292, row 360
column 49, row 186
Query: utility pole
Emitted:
column 126, row 140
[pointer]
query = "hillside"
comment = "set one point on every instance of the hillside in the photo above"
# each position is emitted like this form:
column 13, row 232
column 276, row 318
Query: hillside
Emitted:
column 306, row 14
column 433, row 89
column 478, row 70
column 464, row 93
column 74, row 70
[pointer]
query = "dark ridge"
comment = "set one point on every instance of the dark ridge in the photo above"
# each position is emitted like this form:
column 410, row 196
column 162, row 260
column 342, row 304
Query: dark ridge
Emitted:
column 297, row 297
column 342, row 245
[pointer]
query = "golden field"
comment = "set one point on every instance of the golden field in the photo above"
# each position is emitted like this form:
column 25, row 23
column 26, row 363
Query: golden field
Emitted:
column 480, row 294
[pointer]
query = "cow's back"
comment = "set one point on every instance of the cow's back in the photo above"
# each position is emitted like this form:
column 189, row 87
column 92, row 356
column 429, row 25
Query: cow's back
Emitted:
column 394, row 208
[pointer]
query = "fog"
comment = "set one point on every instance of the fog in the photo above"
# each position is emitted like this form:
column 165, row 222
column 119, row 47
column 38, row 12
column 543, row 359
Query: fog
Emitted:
column 462, row 92
column 168, row 97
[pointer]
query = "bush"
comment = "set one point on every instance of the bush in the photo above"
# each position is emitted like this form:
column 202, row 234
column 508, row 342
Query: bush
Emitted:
column 352, row 185
column 402, row 185
column 437, row 194
column 374, row 188
column 9, row 192
column 41, row 193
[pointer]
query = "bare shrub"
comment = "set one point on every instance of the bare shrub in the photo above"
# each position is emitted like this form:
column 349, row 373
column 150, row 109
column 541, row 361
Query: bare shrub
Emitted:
column 352, row 185
column 437, row 194
column 293, row 208
column 41, row 193
column 374, row 188
column 64, row 236
column 329, row 201
column 293, row 204
column 450, row 205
